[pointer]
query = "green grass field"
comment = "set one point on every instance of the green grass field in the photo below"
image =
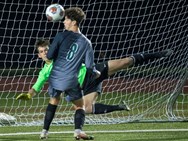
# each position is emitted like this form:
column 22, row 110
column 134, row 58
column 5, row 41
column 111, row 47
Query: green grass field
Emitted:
column 139, row 103
column 160, row 131
column 174, row 131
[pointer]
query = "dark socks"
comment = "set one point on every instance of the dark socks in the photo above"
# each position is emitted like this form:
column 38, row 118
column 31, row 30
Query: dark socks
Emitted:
column 141, row 58
column 99, row 108
column 79, row 119
column 50, row 112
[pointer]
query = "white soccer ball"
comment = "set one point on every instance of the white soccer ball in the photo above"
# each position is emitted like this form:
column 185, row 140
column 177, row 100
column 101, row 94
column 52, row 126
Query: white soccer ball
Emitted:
column 6, row 119
column 55, row 12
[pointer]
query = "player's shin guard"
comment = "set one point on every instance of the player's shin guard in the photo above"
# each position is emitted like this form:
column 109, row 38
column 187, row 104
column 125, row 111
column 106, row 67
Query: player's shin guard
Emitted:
column 79, row 119
column 50, row 112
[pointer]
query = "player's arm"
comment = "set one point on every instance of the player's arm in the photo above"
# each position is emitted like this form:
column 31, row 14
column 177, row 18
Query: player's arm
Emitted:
column 41, row 80
column 89, row 60
column 53, row 49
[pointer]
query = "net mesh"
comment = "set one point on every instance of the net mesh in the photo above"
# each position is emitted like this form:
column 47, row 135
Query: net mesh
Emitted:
column 116, row 29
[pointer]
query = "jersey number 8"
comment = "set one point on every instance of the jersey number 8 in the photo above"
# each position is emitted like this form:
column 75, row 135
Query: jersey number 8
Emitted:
column 72, row 52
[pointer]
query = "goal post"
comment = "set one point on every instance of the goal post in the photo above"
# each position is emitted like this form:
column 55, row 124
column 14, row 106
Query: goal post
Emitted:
column 174, row 96
column 155, row 91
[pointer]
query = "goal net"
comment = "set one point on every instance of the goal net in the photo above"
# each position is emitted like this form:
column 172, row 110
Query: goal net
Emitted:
column 155, row 91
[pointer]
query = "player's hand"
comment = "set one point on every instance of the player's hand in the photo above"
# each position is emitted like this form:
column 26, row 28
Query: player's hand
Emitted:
column 24, row 96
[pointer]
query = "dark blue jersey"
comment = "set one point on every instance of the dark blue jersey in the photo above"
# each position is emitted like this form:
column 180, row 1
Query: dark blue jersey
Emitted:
column 69, row 50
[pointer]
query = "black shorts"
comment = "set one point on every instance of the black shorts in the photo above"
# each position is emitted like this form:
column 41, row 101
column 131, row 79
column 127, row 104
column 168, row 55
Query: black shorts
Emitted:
column 94, row 85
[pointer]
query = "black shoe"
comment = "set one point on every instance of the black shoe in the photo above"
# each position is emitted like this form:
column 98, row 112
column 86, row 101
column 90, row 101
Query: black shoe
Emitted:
column 124, row 106
column 166, row 52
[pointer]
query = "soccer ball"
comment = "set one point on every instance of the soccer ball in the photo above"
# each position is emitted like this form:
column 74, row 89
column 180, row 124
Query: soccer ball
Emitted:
column 55, row 12
column 7, row 119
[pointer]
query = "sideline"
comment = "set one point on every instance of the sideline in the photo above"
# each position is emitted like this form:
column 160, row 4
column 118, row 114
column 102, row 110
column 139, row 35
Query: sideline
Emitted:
column 102, row 131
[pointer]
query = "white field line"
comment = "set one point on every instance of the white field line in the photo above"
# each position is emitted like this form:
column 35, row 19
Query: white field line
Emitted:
column 102, row 131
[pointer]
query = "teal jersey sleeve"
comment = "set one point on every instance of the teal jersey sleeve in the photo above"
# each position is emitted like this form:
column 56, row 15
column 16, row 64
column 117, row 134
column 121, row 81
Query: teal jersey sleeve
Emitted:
column 82, row 74
column 43, row 77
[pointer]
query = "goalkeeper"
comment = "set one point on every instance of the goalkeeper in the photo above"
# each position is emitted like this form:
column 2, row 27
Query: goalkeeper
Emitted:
column 88, row 82
column 86, row 78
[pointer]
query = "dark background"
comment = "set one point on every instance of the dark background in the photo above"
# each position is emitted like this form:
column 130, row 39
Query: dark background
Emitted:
column 115, row 28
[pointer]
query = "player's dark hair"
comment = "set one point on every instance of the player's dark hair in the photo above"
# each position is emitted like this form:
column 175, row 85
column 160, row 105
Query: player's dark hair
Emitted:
column 75, row 14
column 42, row 42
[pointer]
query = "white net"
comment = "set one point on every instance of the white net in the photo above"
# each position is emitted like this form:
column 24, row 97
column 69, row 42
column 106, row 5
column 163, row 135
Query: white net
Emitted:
column 116, row 28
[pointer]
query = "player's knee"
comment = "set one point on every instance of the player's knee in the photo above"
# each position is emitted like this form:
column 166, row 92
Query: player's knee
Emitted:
column 88, row 108
column 54, row 101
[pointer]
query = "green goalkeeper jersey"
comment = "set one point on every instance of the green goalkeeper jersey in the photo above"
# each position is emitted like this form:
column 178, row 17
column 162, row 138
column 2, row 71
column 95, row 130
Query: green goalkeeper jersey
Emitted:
column 45, row 73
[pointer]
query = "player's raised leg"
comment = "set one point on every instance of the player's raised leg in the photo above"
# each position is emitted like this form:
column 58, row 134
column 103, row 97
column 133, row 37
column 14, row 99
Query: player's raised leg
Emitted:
column 141, row 58
column 136, row 59
column 119, row 64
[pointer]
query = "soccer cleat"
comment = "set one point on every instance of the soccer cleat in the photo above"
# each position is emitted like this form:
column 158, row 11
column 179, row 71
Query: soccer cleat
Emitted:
column 166, row 52
column 124, row 106
column 83, row 136
column 44, row 134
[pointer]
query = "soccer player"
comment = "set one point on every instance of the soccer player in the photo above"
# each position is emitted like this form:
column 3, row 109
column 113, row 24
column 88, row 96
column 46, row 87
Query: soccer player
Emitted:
column 68, row 50
column 91, row 86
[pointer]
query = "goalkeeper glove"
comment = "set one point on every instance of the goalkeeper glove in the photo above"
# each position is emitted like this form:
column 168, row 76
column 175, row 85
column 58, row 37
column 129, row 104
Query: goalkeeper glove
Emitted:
column 24, row 96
